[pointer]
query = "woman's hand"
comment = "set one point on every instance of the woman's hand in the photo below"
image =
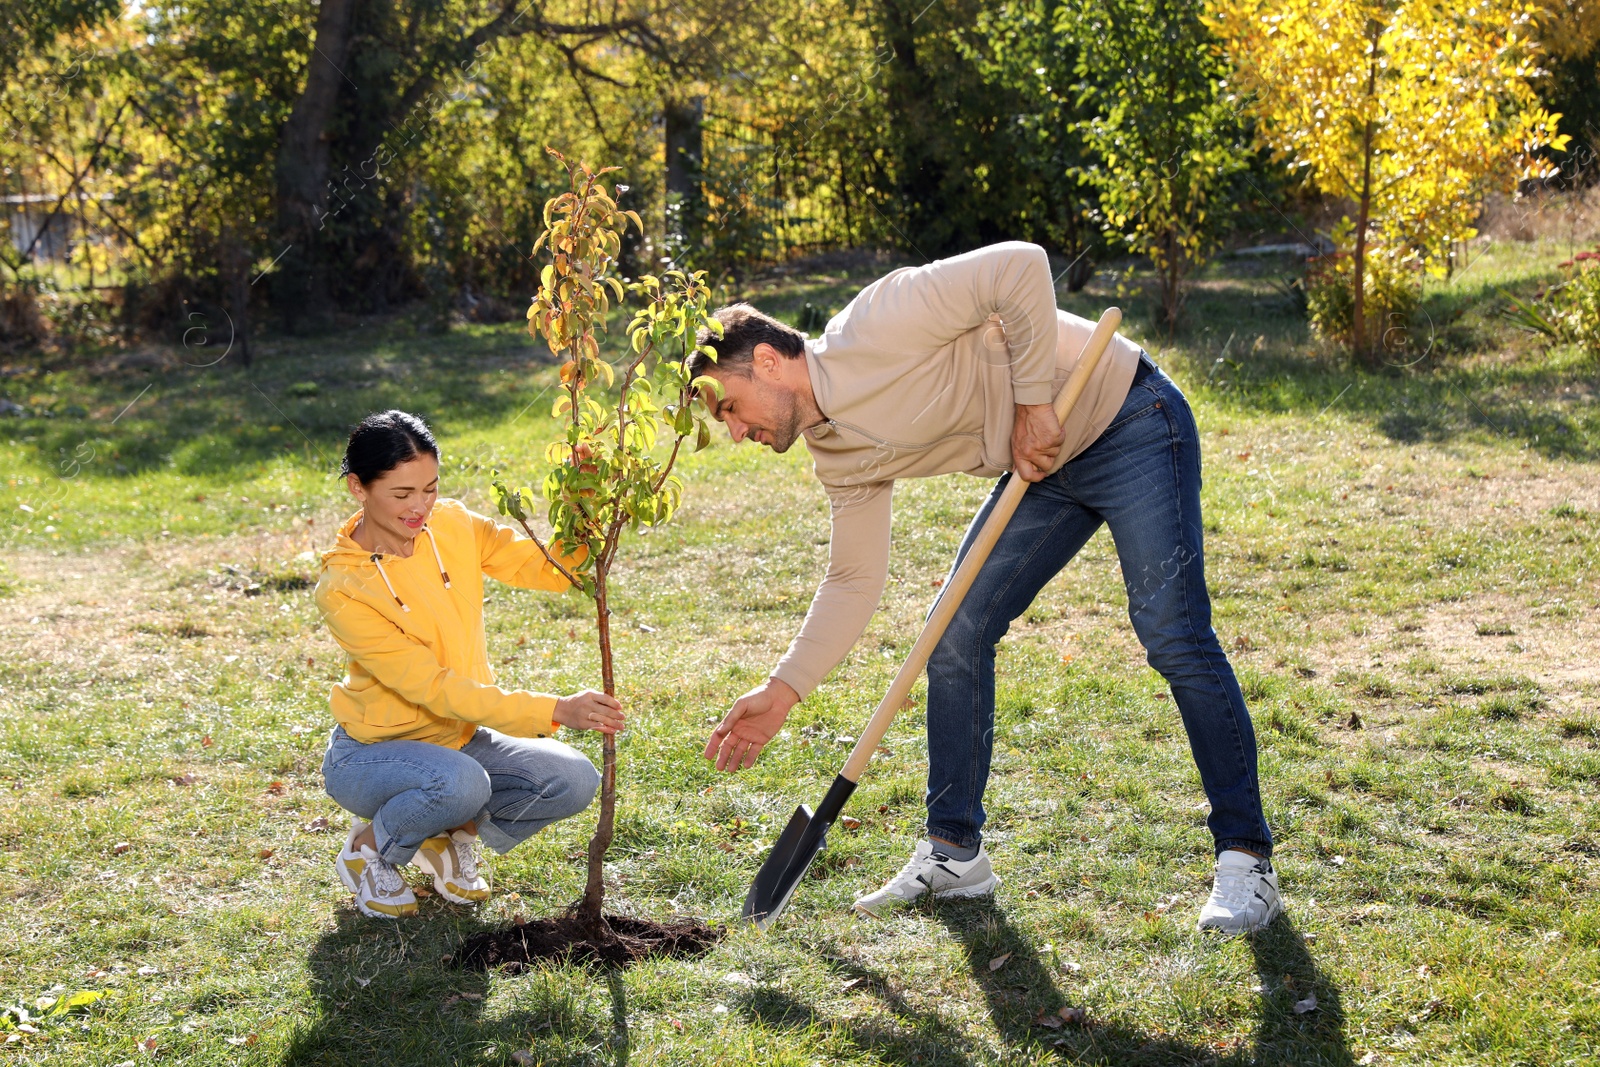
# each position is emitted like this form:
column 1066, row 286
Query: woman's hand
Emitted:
column 590, row 710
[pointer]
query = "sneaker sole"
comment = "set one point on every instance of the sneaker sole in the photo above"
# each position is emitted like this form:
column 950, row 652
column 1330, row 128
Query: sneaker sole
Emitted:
column 385, row 911
column 982, row 889
column 1272, row 916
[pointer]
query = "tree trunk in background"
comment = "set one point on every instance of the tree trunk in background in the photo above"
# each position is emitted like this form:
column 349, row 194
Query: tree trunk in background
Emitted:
column 1360, row 349
column 920, row 172
column 686, row 201
column 236, row 285
column 300, row 287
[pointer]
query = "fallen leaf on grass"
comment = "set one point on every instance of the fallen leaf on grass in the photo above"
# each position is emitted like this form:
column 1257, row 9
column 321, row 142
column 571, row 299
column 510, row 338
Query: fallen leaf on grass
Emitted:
column 205, row 742
column 251, row 1039
column 146, row 971
column 1067, row 1016
column 187, row 778
column 1308, row 1004
column 523, row 1058
column 120, row 847
column 317, row 825
column 457, row 997
column 676, row 1025
column 265, row 854
column 277, row 789
column 999, row 961
column 149, row 1047
column 849, row 823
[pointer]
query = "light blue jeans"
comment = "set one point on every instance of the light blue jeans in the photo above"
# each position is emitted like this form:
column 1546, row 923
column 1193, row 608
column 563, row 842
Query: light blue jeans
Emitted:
column 513, row 787
column 1141, row 478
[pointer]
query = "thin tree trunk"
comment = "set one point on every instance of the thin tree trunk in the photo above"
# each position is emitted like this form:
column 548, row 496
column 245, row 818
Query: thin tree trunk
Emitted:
column 590, row 910
column 237, row 268
column 1358, row 318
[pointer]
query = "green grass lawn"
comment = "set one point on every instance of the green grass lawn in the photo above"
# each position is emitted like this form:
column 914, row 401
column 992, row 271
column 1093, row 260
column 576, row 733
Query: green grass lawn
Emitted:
column 1402, row 565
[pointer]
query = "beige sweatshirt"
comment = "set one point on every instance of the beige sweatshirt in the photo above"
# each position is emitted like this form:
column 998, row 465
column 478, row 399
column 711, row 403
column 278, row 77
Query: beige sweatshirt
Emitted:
column 920, row 375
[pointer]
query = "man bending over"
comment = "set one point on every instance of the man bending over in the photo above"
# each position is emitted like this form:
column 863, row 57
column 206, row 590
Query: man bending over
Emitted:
column 952, row 367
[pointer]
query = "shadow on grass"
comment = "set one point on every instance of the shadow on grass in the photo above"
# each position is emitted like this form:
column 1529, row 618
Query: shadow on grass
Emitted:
column 386, row 996
column 1024, row 989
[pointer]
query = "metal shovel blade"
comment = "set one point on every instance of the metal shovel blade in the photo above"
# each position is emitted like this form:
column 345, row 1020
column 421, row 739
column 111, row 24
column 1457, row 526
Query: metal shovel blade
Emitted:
column 791, row 856
column 786, row 864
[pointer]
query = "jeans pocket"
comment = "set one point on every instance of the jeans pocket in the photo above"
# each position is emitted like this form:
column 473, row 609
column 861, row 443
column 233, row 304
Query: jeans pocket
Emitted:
column 1142, row 402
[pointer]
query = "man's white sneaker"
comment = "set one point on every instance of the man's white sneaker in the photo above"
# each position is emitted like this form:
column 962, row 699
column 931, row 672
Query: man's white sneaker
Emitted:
column 1244, row 896
column 452, row 859
column 933, row 871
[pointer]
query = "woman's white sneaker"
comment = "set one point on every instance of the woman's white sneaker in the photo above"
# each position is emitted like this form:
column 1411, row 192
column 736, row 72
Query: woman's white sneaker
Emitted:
column 452, row 859
column 379, row 889
column 935, row 872
column 1244, row 895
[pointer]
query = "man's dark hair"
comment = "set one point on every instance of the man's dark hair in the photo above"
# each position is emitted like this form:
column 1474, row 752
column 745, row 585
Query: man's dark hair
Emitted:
column 743, row 327
column 384, row 440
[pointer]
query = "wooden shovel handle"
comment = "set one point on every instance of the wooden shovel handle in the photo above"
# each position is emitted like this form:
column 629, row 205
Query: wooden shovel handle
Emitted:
column 956, row 590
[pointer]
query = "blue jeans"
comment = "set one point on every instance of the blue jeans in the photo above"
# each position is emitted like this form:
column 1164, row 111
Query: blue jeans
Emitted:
column 513, row 787
column 1141, row 477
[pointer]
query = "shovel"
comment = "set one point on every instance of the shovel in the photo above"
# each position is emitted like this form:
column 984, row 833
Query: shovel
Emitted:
column 806, row 834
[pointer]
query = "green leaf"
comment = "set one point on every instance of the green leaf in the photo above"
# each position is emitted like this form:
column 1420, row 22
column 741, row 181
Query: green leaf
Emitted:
column 702, row 436
column 77, row 1002
column 704, row 382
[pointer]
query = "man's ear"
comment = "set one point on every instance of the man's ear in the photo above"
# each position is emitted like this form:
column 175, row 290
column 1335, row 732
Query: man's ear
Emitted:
column 766, row 360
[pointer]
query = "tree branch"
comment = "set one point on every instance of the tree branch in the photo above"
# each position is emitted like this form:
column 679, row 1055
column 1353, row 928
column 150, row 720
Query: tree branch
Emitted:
column 547, row 554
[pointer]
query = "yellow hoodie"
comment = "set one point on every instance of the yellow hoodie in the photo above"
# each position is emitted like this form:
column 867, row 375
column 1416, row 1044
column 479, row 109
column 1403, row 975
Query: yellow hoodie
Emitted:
column 413, row 628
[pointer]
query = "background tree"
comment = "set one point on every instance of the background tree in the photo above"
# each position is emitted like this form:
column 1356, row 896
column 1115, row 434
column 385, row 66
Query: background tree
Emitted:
column 607, row 473
column 1569, row 38
column 1169, row 146
column 1409, row 111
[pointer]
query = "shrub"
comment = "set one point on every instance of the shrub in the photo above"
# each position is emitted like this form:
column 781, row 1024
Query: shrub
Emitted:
column 1393, row 290
column 1576, row 303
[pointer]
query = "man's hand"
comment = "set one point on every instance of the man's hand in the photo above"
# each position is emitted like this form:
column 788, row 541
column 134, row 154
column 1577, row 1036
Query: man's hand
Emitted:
column 1035, row 441
column 754, row 719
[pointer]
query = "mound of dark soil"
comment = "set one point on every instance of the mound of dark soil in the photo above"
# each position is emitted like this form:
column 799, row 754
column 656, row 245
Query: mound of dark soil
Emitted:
column 565, row 938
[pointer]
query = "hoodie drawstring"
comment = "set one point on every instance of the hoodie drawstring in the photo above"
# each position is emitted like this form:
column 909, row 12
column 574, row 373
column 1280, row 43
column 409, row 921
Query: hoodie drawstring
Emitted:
column 433, row 542
column 378, row 559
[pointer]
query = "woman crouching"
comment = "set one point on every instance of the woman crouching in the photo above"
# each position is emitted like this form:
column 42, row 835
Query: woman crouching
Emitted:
column 429, row 753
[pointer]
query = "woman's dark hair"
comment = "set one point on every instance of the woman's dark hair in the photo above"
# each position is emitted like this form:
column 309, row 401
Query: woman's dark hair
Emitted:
column 384, row 440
